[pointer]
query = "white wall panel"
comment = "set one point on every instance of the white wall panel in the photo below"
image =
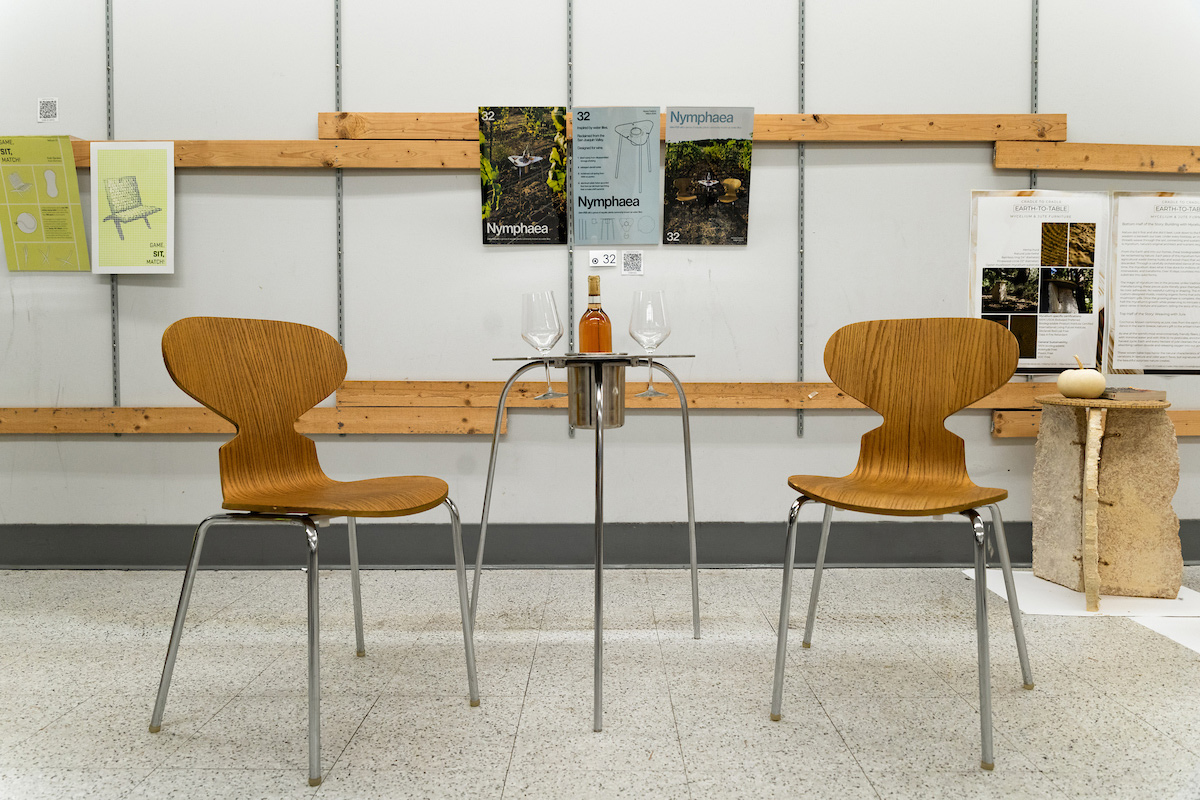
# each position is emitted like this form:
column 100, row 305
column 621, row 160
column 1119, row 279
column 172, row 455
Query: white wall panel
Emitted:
column 705, row 52
column 1123, row 73
column 886, row 226
column 222, row 69
column 928, row 57
column 53, row 48
column 453, row 55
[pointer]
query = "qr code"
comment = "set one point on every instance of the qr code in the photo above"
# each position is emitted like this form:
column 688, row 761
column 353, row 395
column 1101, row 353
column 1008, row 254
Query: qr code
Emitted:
column 47, row 109
column 631, row 262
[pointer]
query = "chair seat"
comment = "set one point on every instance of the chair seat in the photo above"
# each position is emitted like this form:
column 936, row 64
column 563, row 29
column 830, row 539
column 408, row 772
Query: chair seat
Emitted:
column 129, row 215
column 895, row 497
column 375, row 497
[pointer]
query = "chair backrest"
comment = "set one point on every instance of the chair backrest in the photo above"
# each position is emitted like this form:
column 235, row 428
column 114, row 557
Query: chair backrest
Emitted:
column 122, row 194
column 261, row 375
column 915, row 373
column 732, row 185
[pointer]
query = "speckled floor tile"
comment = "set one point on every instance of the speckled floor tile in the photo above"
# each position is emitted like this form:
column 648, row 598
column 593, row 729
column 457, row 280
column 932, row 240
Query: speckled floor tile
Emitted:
column 883, row 705
column 783, row 784
column 345, row 782
column 435, row 734
column 56, row 783
column 227, row 784
column 598, row 784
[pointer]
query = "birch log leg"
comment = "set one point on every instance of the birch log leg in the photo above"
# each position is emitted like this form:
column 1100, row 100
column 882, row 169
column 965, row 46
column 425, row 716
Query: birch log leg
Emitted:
column 1091, row 505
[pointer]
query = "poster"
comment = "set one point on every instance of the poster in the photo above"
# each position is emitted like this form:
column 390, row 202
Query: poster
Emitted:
column 1156, row 281
column 40, row 214
column 614, row 175
column 523, row 174
column 133, row 207
column 1038, row 266
column 706, row 192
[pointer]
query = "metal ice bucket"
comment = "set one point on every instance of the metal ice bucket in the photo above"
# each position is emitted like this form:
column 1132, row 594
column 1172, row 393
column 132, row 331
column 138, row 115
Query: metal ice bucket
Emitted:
column 581, row 391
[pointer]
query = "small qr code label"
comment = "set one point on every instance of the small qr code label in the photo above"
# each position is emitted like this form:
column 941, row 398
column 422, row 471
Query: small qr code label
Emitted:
column 47, row 109
column 631, row 262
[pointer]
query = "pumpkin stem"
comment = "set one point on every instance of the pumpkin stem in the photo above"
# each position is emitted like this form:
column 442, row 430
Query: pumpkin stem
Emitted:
column 1077, row 361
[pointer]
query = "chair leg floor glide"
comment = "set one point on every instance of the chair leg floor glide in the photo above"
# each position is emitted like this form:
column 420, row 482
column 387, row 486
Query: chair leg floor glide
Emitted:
column 987, row 761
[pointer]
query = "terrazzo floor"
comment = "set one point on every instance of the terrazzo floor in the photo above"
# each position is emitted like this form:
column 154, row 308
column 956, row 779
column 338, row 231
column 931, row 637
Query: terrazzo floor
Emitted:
column 883, row 705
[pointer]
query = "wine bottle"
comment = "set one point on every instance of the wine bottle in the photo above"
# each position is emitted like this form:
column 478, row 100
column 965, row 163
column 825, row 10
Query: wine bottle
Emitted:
column 595, row 329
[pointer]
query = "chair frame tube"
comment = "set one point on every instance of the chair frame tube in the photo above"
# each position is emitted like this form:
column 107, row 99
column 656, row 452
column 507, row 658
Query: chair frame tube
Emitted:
column 987, row 761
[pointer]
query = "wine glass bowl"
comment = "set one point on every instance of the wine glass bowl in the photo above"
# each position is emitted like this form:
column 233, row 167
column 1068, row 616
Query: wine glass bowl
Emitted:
column 541, row 328
column 649, row 326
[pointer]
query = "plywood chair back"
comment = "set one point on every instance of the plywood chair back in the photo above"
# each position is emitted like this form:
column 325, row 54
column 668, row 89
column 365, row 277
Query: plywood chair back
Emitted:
column 260, row 375
column 731, row 189
column 683, row 190
column 915, row 373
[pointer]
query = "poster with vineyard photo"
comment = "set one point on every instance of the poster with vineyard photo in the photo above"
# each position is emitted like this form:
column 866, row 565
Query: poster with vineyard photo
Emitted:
column 706, row 196
column 1038, row 262
column 523, row 174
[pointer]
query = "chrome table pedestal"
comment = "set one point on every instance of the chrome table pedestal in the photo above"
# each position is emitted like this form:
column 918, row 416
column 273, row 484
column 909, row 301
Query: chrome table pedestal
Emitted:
column 595, row 375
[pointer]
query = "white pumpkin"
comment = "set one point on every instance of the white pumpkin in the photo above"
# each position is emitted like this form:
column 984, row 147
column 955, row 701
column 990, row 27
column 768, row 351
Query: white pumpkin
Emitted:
column 1082, row 382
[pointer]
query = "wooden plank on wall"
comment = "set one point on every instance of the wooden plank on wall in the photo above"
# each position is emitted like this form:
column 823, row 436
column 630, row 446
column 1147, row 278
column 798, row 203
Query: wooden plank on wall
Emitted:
column 193, row 420
column 1021, row 424
column 1097, row 157
column 486, row 394
column 315, row 153
column 767, row 127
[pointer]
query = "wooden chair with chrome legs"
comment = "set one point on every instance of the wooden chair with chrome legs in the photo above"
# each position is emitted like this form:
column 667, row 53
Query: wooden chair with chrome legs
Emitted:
column 915, row 373
column 262, row 375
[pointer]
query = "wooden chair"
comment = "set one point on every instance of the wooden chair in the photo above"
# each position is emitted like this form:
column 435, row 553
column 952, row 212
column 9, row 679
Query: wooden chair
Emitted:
column 683, row 190
column 731, row 190
column 125, row 203
column 261, row 375
column 915, row 373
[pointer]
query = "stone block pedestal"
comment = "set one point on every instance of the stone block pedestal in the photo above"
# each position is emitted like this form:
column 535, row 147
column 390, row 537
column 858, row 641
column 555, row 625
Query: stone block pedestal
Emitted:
column 1103, row 480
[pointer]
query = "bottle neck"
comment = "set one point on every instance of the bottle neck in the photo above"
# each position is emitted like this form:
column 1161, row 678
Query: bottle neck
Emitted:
column 594, row 302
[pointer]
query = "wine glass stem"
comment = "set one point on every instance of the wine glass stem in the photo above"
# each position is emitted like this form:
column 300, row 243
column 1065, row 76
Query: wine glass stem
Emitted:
column 549, row 388
column 650, row 367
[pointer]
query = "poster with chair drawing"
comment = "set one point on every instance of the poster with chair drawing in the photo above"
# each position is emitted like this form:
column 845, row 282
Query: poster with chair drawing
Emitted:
column 133, row 207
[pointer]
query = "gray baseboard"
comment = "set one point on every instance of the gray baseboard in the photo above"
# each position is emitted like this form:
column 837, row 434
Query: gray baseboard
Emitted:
column 401, row 545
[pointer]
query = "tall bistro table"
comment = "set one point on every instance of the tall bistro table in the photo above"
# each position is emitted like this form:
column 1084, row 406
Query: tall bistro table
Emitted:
column 597, row 374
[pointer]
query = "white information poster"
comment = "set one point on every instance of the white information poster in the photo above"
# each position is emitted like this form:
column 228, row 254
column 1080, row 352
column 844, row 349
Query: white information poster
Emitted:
column 615, row 175
column 1038, row 266
column 1156, row 281
column 133, row 207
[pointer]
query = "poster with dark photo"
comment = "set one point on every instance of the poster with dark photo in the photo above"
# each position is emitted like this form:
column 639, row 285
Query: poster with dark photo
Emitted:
column 707, row 175
column 1038, row 261
column 523, row 174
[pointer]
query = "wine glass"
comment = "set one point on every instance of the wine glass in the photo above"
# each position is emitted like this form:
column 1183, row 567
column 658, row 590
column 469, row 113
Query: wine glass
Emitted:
column 648, row 326
column 541, row 327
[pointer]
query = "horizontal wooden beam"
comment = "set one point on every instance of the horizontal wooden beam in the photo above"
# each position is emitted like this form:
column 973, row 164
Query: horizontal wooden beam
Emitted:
column 1023, row 424
column 315, row 153
column 195, row 420
column 486, row 394
column 767, row 127
column 1081, row 156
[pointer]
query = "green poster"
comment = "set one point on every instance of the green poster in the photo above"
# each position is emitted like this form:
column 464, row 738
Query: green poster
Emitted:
column 133, row 207
column 40, row 214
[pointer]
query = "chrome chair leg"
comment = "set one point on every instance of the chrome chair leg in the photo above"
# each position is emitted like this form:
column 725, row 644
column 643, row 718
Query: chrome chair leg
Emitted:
column 185, row 596
column 463, row 602
column 981, row 634
column 785, row 608
column 356, row 588
column 314, row 656
column 817, row 570
column 1010, row 589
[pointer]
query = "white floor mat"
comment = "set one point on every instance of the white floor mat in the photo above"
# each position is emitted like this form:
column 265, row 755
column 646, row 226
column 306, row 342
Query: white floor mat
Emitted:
column 1178, row 619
